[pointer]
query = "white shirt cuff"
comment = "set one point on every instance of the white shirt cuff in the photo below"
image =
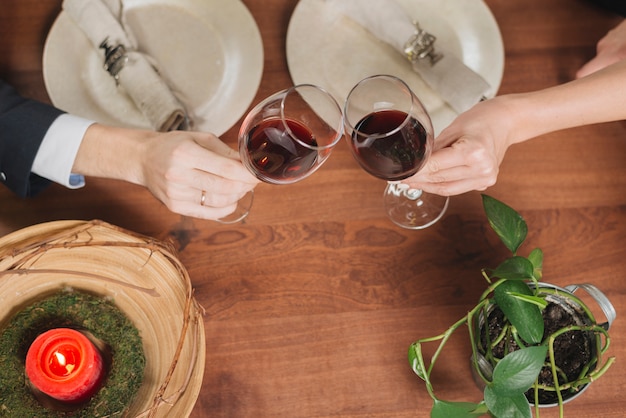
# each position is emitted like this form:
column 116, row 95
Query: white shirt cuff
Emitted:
column 58, row 150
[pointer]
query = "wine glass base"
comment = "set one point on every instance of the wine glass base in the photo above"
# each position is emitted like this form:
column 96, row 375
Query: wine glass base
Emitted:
column 413, row 209
column 241, row 212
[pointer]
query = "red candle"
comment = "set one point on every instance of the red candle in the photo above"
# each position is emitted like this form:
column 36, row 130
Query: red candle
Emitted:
column 65, row 365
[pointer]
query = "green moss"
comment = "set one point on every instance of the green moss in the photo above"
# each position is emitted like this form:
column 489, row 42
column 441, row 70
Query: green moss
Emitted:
column 78, row 310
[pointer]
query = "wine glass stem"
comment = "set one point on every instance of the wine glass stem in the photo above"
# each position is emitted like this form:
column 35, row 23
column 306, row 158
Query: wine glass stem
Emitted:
column 400, row 189
column 413, row 208
column 413, row 194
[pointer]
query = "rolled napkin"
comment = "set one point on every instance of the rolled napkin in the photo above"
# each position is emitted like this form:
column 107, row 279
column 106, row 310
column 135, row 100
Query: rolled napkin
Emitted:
column 132, row 70
column 456, row 83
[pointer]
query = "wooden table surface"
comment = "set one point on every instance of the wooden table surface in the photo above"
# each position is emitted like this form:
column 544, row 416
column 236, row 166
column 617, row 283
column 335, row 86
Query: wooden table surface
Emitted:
column 312, row 303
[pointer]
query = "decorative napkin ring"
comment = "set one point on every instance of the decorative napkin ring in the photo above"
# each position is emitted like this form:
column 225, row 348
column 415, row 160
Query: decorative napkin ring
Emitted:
column 114, row 58
column 421, row 45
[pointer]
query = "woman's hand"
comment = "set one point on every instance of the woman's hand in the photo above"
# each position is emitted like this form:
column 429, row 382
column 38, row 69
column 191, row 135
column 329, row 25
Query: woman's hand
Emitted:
column 468, row 153
column 610, row 49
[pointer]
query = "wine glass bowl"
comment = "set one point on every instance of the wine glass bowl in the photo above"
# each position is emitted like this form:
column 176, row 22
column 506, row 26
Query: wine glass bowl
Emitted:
column 391, row 137
column 289, row 135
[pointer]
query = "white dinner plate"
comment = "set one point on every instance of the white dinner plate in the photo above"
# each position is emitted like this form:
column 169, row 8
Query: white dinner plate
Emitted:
column 209, row 51
column 330, row 50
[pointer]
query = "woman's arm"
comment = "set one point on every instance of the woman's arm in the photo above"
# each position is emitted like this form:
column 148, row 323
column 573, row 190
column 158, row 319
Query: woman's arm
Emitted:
column 469, row 152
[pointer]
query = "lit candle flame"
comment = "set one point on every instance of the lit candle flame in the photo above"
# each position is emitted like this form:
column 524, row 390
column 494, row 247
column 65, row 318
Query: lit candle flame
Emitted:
column 60, row 358
column 62, row 361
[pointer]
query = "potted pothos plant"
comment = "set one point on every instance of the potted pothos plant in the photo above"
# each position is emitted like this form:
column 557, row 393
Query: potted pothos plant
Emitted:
column 532, row 343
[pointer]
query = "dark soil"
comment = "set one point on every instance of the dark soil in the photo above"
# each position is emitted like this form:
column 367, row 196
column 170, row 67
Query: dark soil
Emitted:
column 573, row 349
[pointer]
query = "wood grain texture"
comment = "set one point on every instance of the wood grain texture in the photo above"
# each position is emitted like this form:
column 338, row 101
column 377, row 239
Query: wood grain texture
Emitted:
column 312, row 303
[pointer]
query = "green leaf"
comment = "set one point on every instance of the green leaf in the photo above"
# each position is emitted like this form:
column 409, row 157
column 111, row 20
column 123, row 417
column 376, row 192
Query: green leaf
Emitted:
column 514, row 268
column 518, row 370
column 513, row 376
column 536, row 258
column 515, row 406
column 524, row 316
column 506, row 222
column 540, row 302
column 416, row 360
column 444, row 409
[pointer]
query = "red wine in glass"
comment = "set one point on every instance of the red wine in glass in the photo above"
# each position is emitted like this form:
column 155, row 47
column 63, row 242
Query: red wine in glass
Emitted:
column 276, row 149
column 288, row 135
column 391, row 137
column 394, row 156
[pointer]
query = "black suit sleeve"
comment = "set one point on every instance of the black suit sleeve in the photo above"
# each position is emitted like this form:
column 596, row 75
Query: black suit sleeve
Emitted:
column 23, row 124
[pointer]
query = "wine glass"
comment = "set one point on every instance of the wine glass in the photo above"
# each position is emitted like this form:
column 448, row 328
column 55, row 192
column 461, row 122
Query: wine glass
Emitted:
column 391, row 137
column 288, row 136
